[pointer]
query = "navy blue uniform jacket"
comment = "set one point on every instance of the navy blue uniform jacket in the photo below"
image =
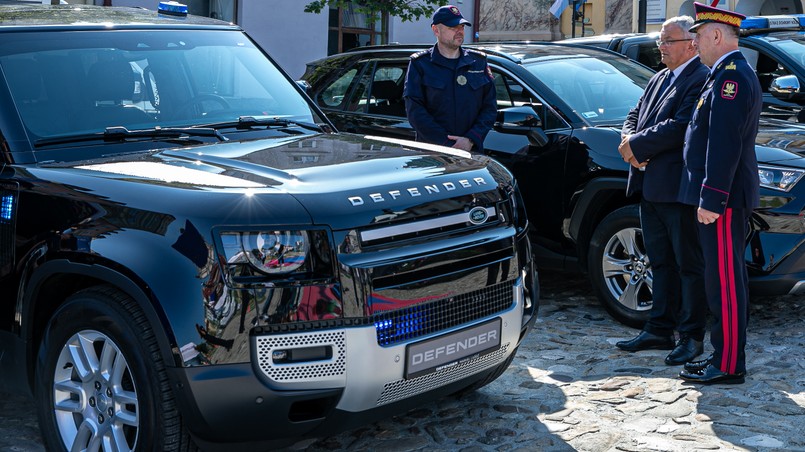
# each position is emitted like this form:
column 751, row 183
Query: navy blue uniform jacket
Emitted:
column 657, row 127
column 445, row 99
column 720, row 162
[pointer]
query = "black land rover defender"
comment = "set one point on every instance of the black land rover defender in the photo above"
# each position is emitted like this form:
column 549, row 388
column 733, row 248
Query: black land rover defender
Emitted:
column 191, row 256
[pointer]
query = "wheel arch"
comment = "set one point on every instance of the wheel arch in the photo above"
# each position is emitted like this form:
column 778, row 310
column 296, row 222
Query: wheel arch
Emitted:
column 52, row 283
column 597, row 199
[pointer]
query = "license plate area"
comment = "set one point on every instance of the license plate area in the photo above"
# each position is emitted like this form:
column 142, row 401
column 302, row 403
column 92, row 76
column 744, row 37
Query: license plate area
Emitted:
column 430, row 355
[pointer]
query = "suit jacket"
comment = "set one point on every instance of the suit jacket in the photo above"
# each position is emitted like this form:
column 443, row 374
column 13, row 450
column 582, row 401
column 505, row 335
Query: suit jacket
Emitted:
column 657, row 126
column 720, row 163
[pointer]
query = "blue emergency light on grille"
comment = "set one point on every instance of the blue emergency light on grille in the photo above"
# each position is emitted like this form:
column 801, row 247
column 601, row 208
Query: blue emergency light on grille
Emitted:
column 6, row 207
column 435, row 316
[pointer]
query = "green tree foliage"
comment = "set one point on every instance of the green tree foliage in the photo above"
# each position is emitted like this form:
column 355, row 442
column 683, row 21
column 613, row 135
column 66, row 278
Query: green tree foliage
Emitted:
column 407, row 10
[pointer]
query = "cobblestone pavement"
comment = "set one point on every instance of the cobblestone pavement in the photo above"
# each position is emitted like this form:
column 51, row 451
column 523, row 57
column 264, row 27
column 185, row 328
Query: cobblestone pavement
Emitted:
column 570, row 388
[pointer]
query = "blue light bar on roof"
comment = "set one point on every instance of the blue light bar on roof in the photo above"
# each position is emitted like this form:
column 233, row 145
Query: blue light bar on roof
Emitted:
column 792, row 21
column 173, row 8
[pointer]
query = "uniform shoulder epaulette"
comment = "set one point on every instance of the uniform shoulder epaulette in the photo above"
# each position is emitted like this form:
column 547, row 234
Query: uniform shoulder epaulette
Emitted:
column 476, row 52
column 419, row 54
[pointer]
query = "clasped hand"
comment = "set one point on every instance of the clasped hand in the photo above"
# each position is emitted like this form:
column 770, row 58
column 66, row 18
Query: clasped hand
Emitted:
column 625, row 150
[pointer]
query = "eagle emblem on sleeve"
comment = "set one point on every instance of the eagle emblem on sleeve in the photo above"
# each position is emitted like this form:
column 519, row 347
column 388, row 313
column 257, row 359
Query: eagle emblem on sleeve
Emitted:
column 729, row 90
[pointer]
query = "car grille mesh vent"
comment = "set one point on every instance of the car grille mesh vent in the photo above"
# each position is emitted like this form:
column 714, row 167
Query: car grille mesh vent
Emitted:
column 304, row 371
column 419, row 320
column 401, row 389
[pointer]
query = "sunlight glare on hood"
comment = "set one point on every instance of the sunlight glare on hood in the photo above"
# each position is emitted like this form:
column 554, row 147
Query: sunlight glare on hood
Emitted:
column 428, row 146
column 171, row 174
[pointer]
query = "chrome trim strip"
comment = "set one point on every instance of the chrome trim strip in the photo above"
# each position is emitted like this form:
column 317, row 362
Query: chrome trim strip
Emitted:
column 409, row 228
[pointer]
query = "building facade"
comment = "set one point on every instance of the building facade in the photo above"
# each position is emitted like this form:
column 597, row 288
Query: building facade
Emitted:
column 294, row 37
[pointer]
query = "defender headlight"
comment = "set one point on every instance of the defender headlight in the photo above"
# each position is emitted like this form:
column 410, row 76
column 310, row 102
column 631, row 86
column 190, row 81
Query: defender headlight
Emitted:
column 779, row 178
column 302, row 253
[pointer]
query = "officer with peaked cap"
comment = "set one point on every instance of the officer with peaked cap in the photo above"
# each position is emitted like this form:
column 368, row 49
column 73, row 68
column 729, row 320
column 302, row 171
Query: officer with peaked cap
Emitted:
column 449, row 90
column 721, row 180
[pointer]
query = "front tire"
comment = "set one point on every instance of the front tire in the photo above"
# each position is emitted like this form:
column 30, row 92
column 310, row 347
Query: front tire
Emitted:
column 619, row 268
column 101, row 384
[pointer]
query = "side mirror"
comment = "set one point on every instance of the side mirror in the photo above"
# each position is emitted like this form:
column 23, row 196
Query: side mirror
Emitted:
column 304, row 85
column 786, row 87
column 522, row 121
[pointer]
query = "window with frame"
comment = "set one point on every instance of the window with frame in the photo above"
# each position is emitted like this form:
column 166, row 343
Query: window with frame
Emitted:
column 511, row 93
column 225, row 10
column 349, row 28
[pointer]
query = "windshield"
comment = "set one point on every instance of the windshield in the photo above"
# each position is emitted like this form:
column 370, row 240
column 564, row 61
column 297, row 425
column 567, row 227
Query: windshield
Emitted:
column 602, row 91
column 73, row 83
column 794, row 47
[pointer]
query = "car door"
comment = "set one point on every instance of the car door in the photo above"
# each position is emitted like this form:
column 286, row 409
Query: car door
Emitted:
column 768, row 65
column 539, row 170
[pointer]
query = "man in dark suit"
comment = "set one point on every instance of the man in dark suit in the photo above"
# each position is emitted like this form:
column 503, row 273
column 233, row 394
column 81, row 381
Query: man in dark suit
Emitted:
column 653, row 136
column 721, row 181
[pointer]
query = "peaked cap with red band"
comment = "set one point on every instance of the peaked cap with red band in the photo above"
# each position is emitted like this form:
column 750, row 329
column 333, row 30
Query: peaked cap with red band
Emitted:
column 708, row 14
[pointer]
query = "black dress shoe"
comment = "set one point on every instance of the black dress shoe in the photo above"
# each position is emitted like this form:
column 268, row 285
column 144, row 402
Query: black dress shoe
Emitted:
column 686, row 349
column 696, row 366
column 647, row 341
column 712, row 375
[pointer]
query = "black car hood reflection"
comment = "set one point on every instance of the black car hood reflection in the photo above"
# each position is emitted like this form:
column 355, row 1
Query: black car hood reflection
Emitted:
column 332, row 176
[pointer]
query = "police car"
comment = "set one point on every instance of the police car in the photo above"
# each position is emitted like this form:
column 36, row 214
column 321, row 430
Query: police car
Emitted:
column 192, row 258
column 775, row 47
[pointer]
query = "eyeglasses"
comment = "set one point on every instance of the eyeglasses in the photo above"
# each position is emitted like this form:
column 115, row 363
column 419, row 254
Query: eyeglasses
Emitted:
column 670, row 41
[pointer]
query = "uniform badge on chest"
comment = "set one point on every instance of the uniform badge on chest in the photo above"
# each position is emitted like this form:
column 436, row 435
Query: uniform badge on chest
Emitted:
column 461, row 80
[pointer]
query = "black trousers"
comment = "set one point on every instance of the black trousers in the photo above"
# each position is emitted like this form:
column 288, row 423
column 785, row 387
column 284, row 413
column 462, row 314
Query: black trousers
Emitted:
column 727, row 284
column 670, row 234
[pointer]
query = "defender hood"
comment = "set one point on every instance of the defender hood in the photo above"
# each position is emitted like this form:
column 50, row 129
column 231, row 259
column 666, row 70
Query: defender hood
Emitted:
column 333, row 177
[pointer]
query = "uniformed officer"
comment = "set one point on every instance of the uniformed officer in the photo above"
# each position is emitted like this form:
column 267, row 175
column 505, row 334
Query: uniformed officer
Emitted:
column 449, row 90
column 721, row 180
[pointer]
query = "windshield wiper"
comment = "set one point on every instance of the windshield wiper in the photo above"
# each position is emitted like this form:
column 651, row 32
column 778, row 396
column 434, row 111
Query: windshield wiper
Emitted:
column 249, row 122
column 121, row 134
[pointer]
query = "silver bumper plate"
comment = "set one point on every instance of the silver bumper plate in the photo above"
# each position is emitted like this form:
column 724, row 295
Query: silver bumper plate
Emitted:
column 440, row 352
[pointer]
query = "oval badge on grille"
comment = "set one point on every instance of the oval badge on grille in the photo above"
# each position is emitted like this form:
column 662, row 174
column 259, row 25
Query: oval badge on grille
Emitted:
column 478, row 215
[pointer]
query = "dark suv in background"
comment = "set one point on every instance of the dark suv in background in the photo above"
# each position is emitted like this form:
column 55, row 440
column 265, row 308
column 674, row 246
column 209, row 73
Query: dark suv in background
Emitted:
column 773, row 45
column 191, row 257
column 561, row 107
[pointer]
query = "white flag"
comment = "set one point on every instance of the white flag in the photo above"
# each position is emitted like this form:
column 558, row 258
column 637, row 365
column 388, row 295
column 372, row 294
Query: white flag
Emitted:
column 557, row 7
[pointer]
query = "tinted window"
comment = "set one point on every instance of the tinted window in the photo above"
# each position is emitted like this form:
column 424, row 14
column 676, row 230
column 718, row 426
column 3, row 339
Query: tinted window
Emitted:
column 336, row 92
column 602, row 91
column 387, row 90
column 511, row 93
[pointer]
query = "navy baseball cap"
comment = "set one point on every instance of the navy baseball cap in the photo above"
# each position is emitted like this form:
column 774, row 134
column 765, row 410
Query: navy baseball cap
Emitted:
column 450, row 16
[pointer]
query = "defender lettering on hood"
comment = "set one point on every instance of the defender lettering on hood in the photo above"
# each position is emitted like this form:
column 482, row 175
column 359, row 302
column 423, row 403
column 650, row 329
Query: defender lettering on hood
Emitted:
column 417, row 191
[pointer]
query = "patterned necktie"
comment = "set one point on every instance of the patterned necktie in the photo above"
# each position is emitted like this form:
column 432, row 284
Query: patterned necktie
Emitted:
column 666, row 82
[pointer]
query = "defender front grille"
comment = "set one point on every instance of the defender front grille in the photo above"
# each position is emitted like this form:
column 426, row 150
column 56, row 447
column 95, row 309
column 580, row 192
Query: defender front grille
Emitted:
column 402, row 389
column 419, row 320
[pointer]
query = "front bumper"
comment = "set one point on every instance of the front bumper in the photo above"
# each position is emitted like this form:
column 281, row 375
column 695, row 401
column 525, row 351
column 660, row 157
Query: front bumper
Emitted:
column 271, row 403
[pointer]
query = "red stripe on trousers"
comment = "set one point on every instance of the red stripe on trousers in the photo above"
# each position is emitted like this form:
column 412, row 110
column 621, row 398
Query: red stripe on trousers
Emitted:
column 729, row 304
